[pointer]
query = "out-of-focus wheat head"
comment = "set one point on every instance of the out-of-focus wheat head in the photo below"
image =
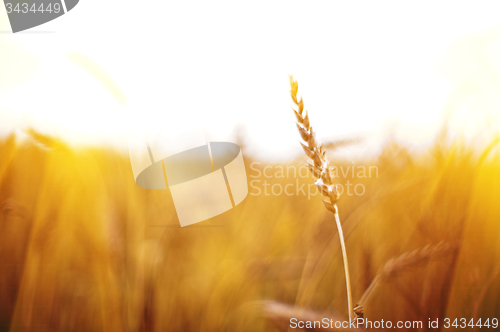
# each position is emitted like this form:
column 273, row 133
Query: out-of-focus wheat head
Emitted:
column 405, row 261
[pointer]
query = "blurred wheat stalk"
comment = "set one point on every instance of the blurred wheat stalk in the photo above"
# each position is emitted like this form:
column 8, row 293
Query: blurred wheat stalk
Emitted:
column 320, row 168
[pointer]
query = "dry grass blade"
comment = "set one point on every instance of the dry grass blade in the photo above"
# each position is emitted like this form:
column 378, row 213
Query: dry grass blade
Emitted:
column 332, row 145
column 321, row 170
column 45, row 141
column 405, row 261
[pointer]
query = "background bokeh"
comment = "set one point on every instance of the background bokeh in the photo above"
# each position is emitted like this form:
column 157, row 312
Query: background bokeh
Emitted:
column 84, row 249
column 411, row 90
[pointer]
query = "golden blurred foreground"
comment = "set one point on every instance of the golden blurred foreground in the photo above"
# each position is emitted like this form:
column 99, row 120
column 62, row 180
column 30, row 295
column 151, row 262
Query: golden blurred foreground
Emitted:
column 84, row 249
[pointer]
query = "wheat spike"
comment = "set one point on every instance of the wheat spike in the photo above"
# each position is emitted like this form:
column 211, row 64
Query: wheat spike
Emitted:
column 321, row 170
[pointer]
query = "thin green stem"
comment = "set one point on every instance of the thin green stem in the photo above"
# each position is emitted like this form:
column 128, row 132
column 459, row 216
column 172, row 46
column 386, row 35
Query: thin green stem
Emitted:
column 346, row 264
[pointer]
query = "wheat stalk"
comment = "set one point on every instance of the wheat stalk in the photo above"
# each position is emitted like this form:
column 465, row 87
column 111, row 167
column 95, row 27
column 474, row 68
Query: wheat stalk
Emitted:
column 407, row 260
column 320, row 168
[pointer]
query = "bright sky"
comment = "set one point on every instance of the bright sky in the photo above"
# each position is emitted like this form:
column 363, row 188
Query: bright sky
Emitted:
column 363, row 67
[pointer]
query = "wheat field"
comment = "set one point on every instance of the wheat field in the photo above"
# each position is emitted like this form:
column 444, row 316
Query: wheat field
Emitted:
column 84, row 249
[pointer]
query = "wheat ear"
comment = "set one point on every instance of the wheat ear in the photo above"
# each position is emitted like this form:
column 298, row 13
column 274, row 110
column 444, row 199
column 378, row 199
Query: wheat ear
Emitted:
column 320, row 168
